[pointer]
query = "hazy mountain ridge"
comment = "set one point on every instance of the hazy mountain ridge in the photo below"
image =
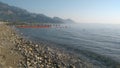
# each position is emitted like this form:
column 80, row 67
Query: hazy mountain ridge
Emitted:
column 15, row 14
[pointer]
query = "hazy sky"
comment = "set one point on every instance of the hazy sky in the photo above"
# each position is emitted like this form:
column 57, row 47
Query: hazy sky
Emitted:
column 90, row 11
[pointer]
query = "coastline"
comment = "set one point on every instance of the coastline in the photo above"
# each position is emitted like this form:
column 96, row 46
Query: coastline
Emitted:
column 31, row 55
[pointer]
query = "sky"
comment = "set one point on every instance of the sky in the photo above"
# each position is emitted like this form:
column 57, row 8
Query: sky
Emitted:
column 82, row 11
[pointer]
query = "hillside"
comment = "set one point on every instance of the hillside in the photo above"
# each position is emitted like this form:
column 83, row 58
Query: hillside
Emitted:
column 17, row 15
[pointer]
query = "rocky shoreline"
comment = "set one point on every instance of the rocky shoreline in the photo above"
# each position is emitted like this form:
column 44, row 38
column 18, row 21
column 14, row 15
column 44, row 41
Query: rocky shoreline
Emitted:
column 27, row 54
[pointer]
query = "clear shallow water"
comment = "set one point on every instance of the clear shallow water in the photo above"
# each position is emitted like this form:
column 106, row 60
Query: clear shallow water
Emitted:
column 101, row 39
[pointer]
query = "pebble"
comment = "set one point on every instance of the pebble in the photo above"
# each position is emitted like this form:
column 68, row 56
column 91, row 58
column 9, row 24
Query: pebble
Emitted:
column 36, row 45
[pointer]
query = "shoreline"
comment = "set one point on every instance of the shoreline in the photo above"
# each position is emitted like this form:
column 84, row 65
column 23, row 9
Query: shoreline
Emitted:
column 49, row 57
column 34, row 55
column 94, row 58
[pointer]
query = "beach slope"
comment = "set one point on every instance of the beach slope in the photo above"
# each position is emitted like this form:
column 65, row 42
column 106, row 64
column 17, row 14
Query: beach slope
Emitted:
column 17, row 52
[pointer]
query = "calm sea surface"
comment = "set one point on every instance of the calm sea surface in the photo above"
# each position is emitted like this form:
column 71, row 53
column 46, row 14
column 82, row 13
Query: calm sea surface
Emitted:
column 102, row 39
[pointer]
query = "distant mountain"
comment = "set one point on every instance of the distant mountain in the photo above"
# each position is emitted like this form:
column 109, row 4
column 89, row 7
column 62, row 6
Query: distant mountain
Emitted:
column 63, row 20
column 18, row 15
